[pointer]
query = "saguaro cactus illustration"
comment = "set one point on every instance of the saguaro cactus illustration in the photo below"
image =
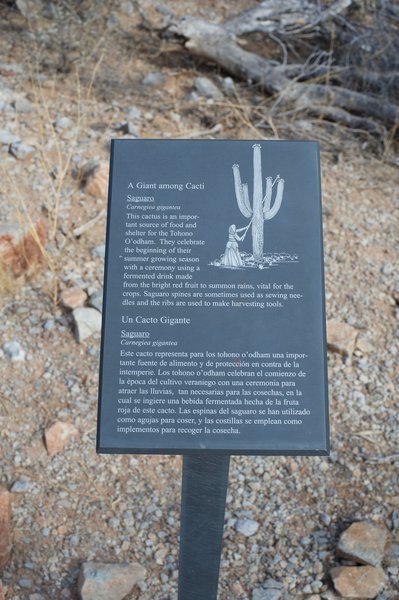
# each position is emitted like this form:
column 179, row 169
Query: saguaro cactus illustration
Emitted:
column 261, row 209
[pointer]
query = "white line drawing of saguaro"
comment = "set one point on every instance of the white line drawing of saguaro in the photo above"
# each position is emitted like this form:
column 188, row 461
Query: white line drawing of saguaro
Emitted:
column 261, row 209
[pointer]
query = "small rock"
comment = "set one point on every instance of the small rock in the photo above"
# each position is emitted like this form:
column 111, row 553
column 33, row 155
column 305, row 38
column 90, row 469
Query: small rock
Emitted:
column 363, row 543
column 341, row 337
column 7, row 138
column 96, row 180
column 25, row 583
column 12, row 68
column 128, row 129
column 163, row 9
column 23, row 105
column 87, row 322
column 329, row 595
column 112, row 20
column 21, row 486
column 364, row 346
column 358, row 582
column 21, row 151
column 57, row 436
column 237, row 590
column 272, row 584
column 14, row 351
column 126, row 7
column 205, row 87
column 36, row 597
column 96, row 301
column 133, row 112
column 154, row 79
column 73, row 297
column 192, row 96
column 49, row 324
column 99, row 251
column 247, row 527
column 393, row 500
column 102, row 581
column 228, row 86
column 5, row 526
column 62, row 123
column 6, row 95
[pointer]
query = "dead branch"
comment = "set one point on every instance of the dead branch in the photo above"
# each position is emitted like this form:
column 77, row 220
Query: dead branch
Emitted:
column 332, row 113
column 310, row 94
column 215, row 43
column 284, row 17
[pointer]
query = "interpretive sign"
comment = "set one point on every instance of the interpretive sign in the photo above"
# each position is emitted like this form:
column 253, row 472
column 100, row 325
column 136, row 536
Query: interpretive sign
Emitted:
column 213, row 333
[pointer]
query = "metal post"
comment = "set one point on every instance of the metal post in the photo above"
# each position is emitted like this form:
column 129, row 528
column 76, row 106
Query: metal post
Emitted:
column 204, row 488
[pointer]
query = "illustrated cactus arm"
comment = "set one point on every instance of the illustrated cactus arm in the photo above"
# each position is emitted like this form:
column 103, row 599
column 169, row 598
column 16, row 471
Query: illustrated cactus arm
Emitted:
column 268, row 212
column 267, row 200
column 246, row 199
column 242, row 195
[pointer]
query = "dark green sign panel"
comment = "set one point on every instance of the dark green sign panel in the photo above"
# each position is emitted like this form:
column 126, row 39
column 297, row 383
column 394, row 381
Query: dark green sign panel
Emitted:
column 214, row 330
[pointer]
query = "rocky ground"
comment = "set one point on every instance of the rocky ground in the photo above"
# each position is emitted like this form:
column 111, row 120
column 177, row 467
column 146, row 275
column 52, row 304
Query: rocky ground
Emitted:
column 67, row 86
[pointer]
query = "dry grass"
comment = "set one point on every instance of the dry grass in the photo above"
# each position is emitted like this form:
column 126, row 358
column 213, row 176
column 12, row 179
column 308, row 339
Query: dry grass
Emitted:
column 45, row 241
column 7, row 281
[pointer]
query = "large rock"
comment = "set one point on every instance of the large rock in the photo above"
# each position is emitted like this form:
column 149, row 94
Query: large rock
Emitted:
column 103, row 581
column 57, row 436
column 87, row 321
column 358, row 582
column 5, row 526
column 363, row 543
column 341, row 337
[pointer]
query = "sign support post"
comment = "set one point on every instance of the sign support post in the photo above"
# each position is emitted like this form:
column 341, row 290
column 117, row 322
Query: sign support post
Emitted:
column 204, row 487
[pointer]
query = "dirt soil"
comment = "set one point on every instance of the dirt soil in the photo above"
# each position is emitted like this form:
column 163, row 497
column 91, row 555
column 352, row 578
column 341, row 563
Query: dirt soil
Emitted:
column 75, row 506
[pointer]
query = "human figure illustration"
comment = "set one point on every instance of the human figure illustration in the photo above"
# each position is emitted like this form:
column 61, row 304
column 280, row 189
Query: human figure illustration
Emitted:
column 231, row 256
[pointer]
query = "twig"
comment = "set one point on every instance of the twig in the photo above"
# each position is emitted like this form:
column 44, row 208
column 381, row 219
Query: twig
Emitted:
column 200, row 132
column 86, row 226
